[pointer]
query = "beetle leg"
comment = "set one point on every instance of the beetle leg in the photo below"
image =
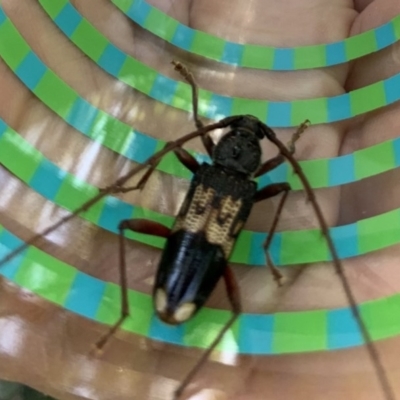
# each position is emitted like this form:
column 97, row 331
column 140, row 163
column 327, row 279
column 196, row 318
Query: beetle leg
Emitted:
column 208, row 144
column 265, row 193
column 232, row 288
column 140, row 226
column 138, row 186
column 233, row 292
column 187, row 159
column 223, row 123
column 189, row 78
column 372, row 351
column 270, row 165
column 145, row 226
column 303, row 126
column 279, row 159
column 183, row 156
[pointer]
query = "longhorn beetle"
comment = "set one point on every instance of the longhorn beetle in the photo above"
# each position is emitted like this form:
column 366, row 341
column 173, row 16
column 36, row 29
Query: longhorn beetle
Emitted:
column 216, row 207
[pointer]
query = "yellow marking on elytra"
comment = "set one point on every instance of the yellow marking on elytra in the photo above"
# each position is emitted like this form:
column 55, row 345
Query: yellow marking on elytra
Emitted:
column 218, row 224
column 198, row 211
column 220, row 227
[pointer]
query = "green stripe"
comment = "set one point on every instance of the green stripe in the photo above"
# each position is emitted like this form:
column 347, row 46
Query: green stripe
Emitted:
column 373, row 233
column 318, row 110
column 10, row 41
column 116, row 135
column 61, row 103
column 40, row 273
column 110, row 308
column 291, row 332
column 310, row 332
column 258, row 56
column 160, row 24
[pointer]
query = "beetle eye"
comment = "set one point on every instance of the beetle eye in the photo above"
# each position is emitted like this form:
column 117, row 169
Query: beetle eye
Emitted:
column 235, row 151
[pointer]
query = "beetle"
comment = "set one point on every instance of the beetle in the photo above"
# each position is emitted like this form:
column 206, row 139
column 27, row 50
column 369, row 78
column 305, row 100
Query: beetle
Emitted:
column 212, row 215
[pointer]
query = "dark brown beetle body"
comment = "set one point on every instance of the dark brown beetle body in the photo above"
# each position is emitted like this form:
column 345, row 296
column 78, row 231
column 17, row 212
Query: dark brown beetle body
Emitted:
column 212, row 215
column 214, row 211
column 216, row 207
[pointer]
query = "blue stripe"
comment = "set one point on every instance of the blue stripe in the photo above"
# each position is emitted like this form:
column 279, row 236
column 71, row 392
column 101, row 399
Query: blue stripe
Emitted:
column 9, row 270
column 345, row 240
column 284, row 59
column 392, row 88
column 47, row 179
column 163, row 89
column 339, row 107
column 233, row 53
column 112, row 59
column 343, row 330
column 275, row 249
column 85, row 295
column 31, row 70
column 3, row 127
column 9, row 242
column 257, row 253
column 277, row 175
column 256, row 334
column 82, row 116
column 335, row 53
column 219, row 106
column 202, row 158
column 139, row 11
column 166, row 333
column 3, row 17
column 264, row 180
column 113, row 213
column 183, row 37
column 68, row 19
column 279, row 114
column 396, row 150
column 385, row 35
column 140, row 147
column 341, row 170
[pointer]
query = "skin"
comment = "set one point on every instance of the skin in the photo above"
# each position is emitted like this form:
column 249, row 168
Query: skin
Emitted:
column 47, row 348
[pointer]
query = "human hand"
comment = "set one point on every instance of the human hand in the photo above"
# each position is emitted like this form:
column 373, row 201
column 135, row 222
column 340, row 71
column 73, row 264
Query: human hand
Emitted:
column 53, row 344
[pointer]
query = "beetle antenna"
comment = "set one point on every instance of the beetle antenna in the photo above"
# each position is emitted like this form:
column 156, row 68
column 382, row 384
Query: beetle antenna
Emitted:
column 372, row 350
column 117, row 184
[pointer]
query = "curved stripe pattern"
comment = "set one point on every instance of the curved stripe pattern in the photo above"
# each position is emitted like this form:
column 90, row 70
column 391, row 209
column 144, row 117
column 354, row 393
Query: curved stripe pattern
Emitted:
column 257, row 56
column 291, row 332
column 212, row 105
column 287, row 248
column 62, row 284
column 136, row 146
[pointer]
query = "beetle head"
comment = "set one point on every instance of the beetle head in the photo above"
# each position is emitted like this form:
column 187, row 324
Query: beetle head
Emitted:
column 239, row 150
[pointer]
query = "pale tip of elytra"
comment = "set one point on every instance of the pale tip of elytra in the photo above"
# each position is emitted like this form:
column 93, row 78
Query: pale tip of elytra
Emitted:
column 160, row 300
column 184, row 312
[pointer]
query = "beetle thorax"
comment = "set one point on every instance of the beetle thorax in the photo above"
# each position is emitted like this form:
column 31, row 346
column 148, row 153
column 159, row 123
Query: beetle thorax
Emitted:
column 239, row 151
